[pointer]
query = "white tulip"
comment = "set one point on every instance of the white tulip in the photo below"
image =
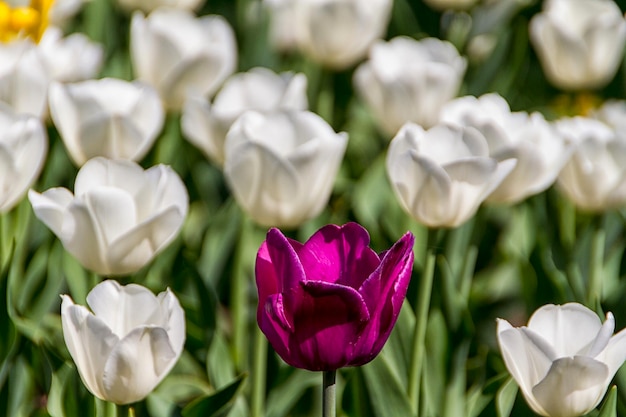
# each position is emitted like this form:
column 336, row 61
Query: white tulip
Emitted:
column 540, row 151
column 112, row 118
column 62, row 11
column 72, row 58
column 260, row 89
column 148, row 6
column 23, row 146
column 580, row 43
column 338, row 33
column 564, row 360
column 282, row 30
column 442, row 175
column 119, row 216
column 24, row 78
column 409, row 81
column 281, row 166
column 128, row 344
column 594, row 178
column 177, row 53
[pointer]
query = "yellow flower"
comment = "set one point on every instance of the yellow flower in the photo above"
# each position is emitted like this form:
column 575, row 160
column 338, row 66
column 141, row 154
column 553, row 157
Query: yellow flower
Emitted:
column 24, row 21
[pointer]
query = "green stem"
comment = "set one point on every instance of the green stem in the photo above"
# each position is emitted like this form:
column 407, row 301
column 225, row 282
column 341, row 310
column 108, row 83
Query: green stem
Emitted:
column 594, row 285
column 259, row 371
column 419, row 333
column 124, row 410
column 329, row 387
column 238, row 298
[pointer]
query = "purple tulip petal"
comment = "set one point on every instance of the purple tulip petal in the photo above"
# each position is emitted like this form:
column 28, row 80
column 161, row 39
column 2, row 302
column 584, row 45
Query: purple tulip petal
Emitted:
column 275, row 325
column 339, row 254
column 266, row 279
column 285, row 261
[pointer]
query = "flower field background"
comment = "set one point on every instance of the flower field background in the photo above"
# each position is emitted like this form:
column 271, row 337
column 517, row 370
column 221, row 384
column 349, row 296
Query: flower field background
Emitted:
column 476, row 259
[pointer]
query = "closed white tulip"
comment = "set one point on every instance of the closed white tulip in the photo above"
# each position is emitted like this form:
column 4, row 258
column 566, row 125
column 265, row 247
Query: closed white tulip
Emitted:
column 564, row 359
column 281, row 166
column 72, row 58
column 338, row 33
column 205, row 125
column 119, row 216
column 580, row 43
column 177, row 53
column 409, row 81
column 540, row 151
column 23, row 146
column 442, row 175
column 127, row 343
column 112, row 118
column 24, row 78
column 148, row 6
column 594, row 178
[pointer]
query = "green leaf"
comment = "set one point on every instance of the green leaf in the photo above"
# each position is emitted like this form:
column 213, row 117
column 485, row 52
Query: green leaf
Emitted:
column 505, row 397
column 283, row 397
column 610, row 403
column 217, row 404
column 387, row 395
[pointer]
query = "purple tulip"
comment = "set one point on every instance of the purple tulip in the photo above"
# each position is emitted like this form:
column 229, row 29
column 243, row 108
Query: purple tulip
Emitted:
column 332, row 301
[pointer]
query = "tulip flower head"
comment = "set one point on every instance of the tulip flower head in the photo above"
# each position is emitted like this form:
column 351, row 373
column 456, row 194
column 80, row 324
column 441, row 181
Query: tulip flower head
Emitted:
column 128, row 344
column 332, row 301
column 564, row 360
column 119, row 216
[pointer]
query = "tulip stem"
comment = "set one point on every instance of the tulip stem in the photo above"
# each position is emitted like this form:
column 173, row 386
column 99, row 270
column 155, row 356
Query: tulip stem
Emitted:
column 419, row 333
column 594, row 285
column 259, row 371
column 124, row 411
column 329, row 394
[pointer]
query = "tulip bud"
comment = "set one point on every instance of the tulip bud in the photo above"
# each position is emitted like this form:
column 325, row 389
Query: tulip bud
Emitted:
column 409, row 81
column 441, row 176
column 112, row 118
column 128, row 344
column 260, row 89
column 540, row 151
column 23, row 146
column 332, row 301
column 580, row 43
column 281, row 166
column 564, row 360
column 176, row 53
column 119, row 216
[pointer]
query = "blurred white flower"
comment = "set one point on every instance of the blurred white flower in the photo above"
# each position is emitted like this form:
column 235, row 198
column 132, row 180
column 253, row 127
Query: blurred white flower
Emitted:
column 450, row 4
column 337, row 33
column 260, row 89
column 119, row 216
column 594, row 178
column 612, row 113
column 281, row 166
column 62, row 11
column 148, row 6
column 580, row 43
column 282, row 30
column 178, row 53
column 112, row 118
column 409, row 81
column 564, row 360
column 72, row 58
column 128, row 344
column 442, row 175
column 24, row 78
column 539, row 149
column 23, row 146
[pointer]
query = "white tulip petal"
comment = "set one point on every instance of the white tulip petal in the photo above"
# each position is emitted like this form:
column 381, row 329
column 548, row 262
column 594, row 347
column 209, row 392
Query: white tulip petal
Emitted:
column 572, row 387
column 102, row 172
column 51, row 208
column 202, row 128
column 614, row 354
column 175, row 322
column 137, row 364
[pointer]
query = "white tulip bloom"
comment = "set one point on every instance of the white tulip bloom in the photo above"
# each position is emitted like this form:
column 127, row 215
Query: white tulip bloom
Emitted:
column 338, row 33
column 72, row 58
column 409, row 81
column 119, row 216
column 594, row 178
column 24, row 78
column 282, row 30
column 540, row 151
column 281, row 166
column 128, row 344
column 580, row 43
column 442, row 175
column 260, row 89
column 112, row 118
column 62, row 11
column 148, row 6
column 564, row 360
column 178, row 53
column 23, row 146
